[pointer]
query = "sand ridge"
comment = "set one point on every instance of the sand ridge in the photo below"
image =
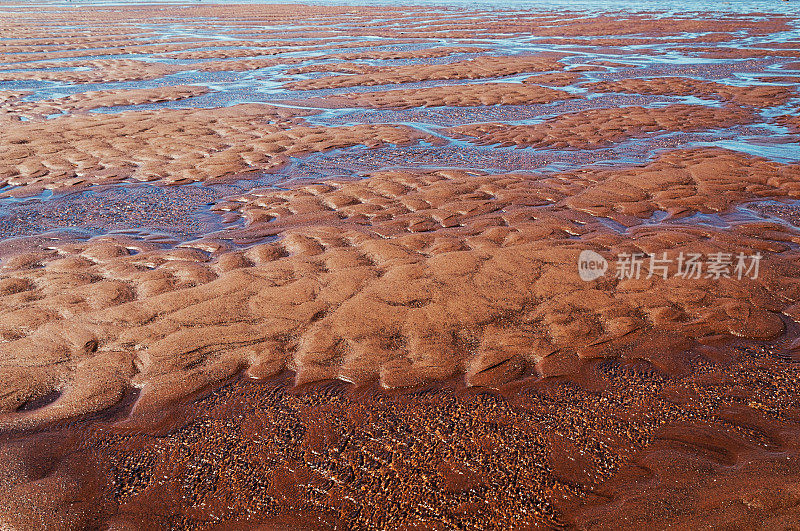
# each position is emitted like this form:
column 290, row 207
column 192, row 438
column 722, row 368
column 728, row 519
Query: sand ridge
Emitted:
column 755, row 95
column 171, row 146
column 484, row 66
column 603, row 127
column 453, row 96
column 396, row 278
column 100, row 71
column 85, row 101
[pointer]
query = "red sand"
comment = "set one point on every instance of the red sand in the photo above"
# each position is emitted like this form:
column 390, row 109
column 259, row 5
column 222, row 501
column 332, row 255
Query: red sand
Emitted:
column 414, row 349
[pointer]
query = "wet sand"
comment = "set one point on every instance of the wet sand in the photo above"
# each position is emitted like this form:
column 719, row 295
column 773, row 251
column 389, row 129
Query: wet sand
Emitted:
column 317, row 267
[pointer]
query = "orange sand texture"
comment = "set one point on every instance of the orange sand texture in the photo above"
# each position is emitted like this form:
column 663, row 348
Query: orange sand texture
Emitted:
column 348, row 346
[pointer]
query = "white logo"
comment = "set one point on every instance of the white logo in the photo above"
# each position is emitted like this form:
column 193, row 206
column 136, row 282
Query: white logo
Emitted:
column 591, row 265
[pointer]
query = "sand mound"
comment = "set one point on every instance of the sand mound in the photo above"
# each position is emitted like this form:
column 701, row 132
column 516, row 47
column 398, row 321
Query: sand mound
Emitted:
column 86, row 101
column 402, row 277
column 603, row 127
column 170, row 146
column 482, row 67
column 755, row 95
column 455, row 96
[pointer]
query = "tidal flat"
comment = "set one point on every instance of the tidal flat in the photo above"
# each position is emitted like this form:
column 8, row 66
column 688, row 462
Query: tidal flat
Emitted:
column 398, row 267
